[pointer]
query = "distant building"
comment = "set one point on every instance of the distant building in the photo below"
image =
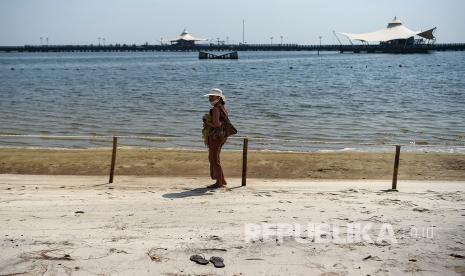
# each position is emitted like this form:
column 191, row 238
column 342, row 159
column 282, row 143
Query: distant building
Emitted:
column 185, row 40
column 394, row 34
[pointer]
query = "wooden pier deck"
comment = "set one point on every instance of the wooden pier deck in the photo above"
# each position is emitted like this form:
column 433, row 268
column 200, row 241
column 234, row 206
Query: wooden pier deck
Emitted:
column 425, row 48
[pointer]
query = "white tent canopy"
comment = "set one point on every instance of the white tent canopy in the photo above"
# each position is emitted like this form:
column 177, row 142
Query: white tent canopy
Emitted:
column 395, row 30
column 187, row 37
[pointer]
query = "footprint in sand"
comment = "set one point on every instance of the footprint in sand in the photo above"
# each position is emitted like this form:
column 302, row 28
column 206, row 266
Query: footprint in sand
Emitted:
column 280, row 191
column 285, row 201
column 392, row 201
column 214, row 238
column 262, row 194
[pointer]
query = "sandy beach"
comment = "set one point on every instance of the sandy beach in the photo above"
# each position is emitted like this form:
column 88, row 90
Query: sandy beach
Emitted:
column 161, row 162
column 80, row 225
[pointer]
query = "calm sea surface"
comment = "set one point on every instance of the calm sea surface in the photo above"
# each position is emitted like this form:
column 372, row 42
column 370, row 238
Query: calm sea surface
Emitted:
column 332, row 101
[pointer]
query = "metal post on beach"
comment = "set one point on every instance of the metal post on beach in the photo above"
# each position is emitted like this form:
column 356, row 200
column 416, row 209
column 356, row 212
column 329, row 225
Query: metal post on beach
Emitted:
column 244, row 161
column 113, row 159
column 396, row 169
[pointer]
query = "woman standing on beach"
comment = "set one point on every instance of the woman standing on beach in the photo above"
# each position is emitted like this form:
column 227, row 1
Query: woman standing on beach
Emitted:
column 214, row 135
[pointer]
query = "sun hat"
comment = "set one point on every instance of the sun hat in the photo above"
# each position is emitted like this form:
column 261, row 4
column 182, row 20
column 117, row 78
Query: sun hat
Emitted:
column 216, row 92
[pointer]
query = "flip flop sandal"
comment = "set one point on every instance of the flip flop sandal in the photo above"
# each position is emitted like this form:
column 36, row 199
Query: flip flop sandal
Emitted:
column 199, row 259
column 217, row 261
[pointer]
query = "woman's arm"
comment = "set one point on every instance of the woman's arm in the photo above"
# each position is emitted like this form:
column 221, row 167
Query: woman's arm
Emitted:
column 215, row 118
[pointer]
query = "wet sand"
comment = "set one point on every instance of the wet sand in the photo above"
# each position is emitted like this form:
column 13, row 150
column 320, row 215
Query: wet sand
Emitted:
column 157, row 162
column 79, row 225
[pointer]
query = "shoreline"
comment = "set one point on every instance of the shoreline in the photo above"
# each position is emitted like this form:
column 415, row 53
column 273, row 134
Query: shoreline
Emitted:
column 261, row 164
column 368, row 148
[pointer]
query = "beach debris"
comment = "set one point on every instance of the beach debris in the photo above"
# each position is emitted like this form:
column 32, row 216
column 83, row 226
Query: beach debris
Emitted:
column 218, row 262
column 198, row 259
column 114, row 250
column 154, row 255
column 254, row 259
column 214, row 237
column 350, row 191
column 155, row 258
column 420, row 209
column 79, row 212
column 412, row 260
column 214, row 249
column 346, row 219
column 457, row 256
column 367, row 257
column 339, row 266
column 47, row 255
column 226, row 211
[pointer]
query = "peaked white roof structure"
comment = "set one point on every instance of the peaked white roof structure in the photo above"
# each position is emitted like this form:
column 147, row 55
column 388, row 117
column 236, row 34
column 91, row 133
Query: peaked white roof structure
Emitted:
column 187, row 37
column 395, row 30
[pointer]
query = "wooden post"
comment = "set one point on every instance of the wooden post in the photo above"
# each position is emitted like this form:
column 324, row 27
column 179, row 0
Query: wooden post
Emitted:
column 244, row 161
column 113, row 159
column 396, row 168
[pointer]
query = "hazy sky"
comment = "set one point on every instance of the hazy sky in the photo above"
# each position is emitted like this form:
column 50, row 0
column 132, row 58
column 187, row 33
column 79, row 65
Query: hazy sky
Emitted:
column 139, row 21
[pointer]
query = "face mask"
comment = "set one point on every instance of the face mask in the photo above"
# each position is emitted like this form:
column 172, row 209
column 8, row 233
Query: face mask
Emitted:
column 214, row 102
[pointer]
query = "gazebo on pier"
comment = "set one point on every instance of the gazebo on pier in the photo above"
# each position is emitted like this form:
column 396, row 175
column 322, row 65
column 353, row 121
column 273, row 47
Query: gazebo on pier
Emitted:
column 185, row 40
column 395, row 34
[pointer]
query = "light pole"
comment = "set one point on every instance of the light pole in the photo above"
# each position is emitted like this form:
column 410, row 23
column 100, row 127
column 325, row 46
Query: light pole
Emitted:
column 98, row 41
column 46, row 39
column 271, row 40
column 281, row 40
column 320, row 37
column 227, row 40
column 103, row 41
column 243, row 31
column 41, row 41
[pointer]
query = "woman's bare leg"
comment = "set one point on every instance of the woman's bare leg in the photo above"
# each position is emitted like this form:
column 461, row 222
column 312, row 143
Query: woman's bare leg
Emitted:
column 219, row 161
column 215, row 149
column 210, row 159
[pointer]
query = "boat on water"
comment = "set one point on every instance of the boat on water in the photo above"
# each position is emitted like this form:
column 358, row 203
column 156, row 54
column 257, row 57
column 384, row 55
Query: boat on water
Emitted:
column 231, row 55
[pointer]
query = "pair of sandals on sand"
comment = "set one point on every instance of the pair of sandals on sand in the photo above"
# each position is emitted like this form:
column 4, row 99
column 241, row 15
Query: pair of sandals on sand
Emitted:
column 216, row 261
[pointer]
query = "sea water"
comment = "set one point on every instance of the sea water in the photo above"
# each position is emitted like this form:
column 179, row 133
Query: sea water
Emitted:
column 287, row 101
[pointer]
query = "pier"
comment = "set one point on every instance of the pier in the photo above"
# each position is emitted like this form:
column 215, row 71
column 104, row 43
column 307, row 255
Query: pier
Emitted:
column 350, row 48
